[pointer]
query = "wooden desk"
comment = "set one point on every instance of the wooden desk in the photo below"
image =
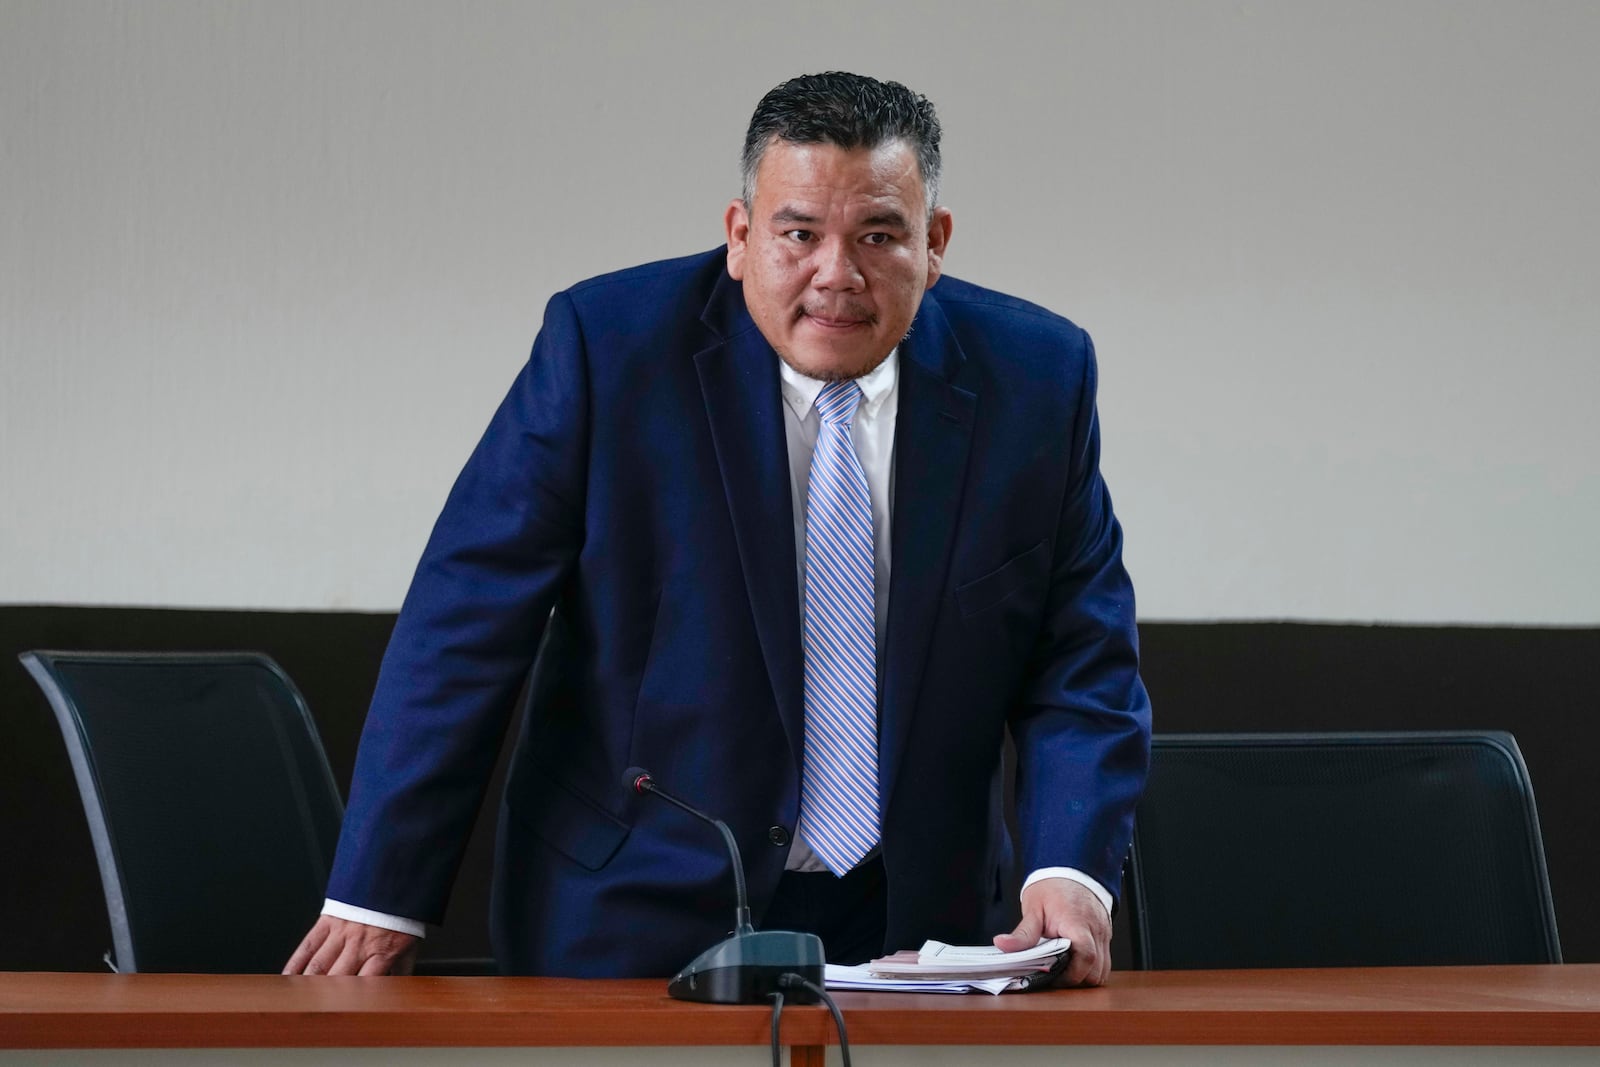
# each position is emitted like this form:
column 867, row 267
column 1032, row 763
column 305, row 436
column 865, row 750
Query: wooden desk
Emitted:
column 1456, row 1007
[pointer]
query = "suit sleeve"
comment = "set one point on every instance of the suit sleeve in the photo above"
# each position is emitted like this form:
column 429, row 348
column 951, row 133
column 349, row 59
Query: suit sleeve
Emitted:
column 1082, row 727
column 507, row 539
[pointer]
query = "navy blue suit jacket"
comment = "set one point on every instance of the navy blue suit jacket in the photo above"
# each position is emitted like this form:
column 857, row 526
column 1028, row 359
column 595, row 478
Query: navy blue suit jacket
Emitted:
column 627, row 517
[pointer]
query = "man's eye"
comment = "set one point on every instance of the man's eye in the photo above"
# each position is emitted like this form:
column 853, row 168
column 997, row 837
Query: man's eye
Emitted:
column 798, row 235
column 876, row 238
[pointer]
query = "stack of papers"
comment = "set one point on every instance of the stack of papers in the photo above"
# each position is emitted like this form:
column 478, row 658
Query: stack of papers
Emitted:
column 941, row 968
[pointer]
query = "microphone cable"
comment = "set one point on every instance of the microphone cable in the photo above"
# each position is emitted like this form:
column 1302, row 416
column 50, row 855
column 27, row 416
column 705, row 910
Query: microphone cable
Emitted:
column 789, row 981
column 776, row 997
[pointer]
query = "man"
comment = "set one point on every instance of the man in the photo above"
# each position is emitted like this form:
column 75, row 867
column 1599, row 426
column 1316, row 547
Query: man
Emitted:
column 804, row 542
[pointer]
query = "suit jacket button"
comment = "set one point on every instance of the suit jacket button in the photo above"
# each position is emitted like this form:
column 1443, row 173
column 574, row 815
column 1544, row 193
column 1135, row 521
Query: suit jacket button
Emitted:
column 777, row 835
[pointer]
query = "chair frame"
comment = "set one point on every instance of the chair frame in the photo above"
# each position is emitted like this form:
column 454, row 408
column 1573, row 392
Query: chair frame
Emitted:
column 39, row 664
column 1499, row 741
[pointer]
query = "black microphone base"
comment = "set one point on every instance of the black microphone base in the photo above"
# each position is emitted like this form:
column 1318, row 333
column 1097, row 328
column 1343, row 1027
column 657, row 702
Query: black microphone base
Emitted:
column 745, row 968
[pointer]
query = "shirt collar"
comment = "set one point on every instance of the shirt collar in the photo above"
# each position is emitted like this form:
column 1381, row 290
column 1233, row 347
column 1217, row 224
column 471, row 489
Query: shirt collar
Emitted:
column 800, row 391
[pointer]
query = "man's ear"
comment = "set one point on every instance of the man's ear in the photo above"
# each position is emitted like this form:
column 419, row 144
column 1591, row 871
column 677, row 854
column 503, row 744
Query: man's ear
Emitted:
column 939, row 226
column 736, row 220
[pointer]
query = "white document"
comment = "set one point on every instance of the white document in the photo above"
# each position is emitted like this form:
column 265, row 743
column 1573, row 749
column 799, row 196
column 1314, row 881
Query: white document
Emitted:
column 937, row 952
column 838, row 976
column 941, row 968
column 938, row 960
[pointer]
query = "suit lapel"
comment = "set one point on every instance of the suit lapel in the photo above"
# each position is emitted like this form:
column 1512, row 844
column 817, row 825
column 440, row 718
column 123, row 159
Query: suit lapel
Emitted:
column 933, row 434
column 739, row 380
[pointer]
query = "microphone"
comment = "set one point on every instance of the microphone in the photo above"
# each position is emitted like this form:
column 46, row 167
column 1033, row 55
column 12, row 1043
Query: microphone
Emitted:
column 746, row 967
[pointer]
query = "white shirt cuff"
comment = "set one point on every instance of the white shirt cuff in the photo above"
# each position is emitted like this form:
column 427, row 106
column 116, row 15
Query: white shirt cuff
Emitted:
column 1075, row 875
column 398, row 923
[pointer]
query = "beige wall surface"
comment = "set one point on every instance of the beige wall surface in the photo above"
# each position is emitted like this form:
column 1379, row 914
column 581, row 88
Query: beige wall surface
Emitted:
column 267, row 267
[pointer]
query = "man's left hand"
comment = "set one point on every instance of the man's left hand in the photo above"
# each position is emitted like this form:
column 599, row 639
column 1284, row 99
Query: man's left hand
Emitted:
column 1060, row 907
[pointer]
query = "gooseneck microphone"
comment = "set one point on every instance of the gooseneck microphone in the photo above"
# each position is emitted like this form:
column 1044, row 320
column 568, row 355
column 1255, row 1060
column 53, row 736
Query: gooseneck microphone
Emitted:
column 642, row 783
column 747, row 967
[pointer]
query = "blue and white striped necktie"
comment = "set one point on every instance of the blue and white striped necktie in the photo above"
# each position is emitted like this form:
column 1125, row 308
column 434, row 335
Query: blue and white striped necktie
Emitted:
column 839, row 786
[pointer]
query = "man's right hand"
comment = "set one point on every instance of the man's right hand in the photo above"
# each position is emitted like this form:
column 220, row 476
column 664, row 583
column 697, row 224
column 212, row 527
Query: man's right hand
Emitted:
column 339, row 946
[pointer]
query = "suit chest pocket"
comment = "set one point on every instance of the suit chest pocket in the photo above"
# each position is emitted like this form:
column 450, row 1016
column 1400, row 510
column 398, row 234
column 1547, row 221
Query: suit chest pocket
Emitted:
column 1019, row 574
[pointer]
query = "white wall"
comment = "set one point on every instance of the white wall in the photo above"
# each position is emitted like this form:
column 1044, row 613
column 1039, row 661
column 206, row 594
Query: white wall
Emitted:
column 267, row 267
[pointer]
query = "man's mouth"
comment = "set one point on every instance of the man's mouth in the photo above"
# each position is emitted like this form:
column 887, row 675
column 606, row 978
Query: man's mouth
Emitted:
column 837, row 320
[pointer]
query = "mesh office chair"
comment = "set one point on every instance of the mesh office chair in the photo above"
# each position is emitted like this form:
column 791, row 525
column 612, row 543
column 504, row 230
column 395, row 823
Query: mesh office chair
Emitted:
column 213, row 812
column 1323, row 850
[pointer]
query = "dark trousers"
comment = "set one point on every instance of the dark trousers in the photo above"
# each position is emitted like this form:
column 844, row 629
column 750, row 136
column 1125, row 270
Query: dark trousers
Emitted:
column 848, row 913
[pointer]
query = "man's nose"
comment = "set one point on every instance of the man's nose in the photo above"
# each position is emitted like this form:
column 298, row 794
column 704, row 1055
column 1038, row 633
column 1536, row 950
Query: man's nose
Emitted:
column 836, row 267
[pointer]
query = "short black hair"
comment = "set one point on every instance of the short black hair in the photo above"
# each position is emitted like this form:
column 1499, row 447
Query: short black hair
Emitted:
column 848, row 110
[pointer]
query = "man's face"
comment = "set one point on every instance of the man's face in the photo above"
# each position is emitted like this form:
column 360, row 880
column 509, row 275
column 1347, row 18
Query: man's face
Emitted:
column 835, row 252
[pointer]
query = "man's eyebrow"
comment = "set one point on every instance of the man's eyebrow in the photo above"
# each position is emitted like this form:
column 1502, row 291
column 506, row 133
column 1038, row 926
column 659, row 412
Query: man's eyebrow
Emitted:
column 891, row 219
column 792, row 214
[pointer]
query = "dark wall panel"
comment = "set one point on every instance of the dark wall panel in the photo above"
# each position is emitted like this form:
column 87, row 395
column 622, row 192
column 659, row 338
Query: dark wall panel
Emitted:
column 52, row 910
column 1541, row 684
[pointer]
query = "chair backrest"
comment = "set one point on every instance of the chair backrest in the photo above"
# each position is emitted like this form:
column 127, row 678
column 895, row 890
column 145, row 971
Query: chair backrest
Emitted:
column 209, row 798
column 1325, row 850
